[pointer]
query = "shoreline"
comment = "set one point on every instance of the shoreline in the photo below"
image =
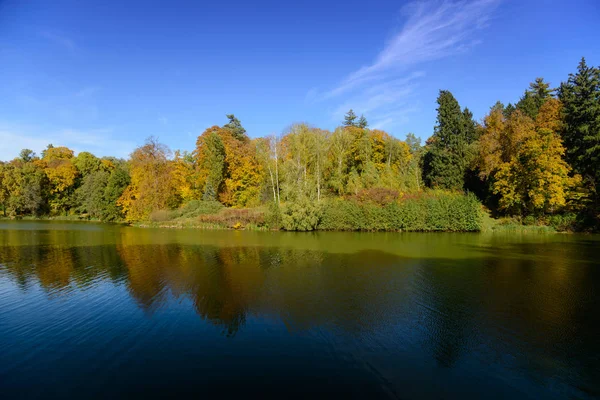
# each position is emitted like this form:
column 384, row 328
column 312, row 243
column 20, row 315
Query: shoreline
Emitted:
column 496, row 226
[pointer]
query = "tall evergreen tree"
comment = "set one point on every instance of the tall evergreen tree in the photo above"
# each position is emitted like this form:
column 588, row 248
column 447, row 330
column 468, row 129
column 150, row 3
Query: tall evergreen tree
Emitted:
column 580, row 96
column 236, row 128
column 538, row 92
column 470, row 126
column 508, row 110
column 448, row 150
column 362, row 122
column 350, row 118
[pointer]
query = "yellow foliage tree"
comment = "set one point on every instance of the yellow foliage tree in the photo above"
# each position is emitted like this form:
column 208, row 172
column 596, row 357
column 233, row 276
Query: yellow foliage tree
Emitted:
column 524, row 159
column 243, row 172
column 153, row 185
column 184, row 176
column 62, row 175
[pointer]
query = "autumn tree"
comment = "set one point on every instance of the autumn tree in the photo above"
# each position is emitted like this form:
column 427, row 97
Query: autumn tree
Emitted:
column 339, row 150
column 62, row 176
column 185, row 175
column 267, row 153
column 25, row 186
column 395, row 173
column 228, row 168
column 414, row 176
column 321, row 149
column 524, row 160
column 242, row 172
column 297, row 145
column 4, row 193
column 152, row 186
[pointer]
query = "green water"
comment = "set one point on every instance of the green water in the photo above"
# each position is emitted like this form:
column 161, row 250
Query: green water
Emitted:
column 91, row 310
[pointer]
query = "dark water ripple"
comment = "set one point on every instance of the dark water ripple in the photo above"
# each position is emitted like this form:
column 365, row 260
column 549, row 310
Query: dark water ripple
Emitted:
column 100, row 311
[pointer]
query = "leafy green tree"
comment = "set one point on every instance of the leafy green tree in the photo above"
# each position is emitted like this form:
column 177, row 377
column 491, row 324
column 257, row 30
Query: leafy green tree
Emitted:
column 413, row 142
column 90, row 195
column 27, row 155
column 339, row 145
column 32, row 197
column 210, row 158
column 302, row 215
column 26, row 185
column 100, row 191
column 350, row 119
column 4, row 192
column 414, row 165
column 115, row 186
column 87, row 163
column 236, row 128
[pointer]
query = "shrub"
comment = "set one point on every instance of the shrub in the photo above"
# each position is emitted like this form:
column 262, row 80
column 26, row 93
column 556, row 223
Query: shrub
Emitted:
column 380, row 196
column 160, row 215
column 434, row 211
column 235, row 217
column 273, row 216
column 196, row 208
column 563, row 222
column 303, row 215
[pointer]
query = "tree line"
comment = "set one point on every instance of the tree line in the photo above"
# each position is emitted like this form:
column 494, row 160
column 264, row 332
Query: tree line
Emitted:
column 535, row 158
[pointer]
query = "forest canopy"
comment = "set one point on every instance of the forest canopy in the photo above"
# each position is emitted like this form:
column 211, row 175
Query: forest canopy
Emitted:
column 537, row 158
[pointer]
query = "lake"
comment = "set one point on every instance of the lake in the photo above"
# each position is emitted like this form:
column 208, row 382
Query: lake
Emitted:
column 90, row 310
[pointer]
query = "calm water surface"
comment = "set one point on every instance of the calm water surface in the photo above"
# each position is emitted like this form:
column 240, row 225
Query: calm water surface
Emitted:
column 91, row 310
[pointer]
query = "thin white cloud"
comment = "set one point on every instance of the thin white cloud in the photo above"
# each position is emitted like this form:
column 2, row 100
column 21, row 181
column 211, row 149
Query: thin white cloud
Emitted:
column 68, row 107
column 432, row 30
column 101, row 142
column 87, row 91
column 59, row 39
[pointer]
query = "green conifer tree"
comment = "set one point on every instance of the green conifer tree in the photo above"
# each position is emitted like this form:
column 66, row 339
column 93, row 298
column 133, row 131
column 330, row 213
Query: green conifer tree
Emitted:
column 580, row 96
column 236, row 128
column 350, row 118
column 447, row 156
column 362, row 122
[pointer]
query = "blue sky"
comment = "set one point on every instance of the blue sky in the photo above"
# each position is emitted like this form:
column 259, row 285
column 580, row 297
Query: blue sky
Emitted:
column 104, row 75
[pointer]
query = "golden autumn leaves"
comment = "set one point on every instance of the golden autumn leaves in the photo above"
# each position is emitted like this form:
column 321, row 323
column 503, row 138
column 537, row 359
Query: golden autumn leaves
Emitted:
column 524, row 159
column 237, row 171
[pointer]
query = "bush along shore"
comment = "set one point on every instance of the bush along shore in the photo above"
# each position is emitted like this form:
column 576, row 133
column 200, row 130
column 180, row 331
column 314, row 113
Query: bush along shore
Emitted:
column 435, row 211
